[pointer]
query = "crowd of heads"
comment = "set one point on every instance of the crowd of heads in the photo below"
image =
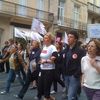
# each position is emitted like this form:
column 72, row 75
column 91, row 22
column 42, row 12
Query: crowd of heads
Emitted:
column 73, row 36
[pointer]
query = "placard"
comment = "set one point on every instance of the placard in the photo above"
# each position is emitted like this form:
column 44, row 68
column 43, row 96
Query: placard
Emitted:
column 93, row 30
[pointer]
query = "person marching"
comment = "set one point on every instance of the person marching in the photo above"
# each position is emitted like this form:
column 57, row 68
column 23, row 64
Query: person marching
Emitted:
column 59, row 68
column 14, row 66
column 73, row 54
column 90, row 66
column 33, row 70
column 47, row 66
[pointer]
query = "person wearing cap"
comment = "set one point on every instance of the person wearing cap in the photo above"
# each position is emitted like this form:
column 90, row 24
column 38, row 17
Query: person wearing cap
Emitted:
column 73, row 54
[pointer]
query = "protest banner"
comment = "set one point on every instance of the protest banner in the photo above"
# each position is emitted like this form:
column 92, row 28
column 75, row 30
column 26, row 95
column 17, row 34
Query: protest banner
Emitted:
column 93, row 30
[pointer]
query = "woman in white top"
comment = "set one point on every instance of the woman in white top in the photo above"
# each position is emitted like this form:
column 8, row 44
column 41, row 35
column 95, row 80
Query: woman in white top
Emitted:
column 90, row 65
column 47, row 66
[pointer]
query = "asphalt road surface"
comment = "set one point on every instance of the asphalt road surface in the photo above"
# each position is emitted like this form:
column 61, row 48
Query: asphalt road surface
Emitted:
column 30, row 93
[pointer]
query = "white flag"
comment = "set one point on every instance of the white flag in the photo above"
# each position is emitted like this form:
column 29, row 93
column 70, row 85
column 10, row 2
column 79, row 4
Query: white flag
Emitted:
column 42, row 29
column 38, row 26
column 65, row 39
column 19, row 34
column 36, row 36
column 35, row 24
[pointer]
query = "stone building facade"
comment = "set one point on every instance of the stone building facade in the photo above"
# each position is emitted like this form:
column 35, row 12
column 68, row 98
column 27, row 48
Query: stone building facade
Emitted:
column 58, row 16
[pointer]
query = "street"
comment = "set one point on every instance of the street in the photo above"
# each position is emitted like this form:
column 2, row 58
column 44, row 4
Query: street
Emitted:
column 15, row 88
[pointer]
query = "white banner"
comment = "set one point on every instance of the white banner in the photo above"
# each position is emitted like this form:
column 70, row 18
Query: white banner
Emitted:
column 19, row 34
column 27, row 33
column 93, row 30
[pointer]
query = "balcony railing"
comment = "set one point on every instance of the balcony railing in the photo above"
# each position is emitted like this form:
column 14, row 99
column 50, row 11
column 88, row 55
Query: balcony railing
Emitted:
column 70, row 23
column 93, row 8
column 24, row 11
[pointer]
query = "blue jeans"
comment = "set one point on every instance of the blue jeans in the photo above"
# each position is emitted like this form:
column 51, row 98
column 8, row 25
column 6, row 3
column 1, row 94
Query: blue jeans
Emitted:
column 10, row 79
column 18, row 76
column 72, row 84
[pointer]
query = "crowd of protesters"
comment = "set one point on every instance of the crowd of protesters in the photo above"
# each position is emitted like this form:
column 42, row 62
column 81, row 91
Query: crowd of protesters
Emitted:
column 52, row 62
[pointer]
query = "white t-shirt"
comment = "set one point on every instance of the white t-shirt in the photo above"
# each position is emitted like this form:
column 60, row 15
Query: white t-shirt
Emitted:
column 46, row 54
column 91, row 77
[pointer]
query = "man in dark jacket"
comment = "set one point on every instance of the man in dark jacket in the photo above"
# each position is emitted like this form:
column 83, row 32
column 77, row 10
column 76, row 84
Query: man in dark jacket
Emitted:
column 73, row 55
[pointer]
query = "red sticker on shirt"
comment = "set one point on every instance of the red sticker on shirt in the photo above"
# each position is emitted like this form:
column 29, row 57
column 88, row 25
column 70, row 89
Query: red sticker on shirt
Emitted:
column 74, row 56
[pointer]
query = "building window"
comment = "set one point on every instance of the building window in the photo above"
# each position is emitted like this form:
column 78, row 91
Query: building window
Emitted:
column 97, row 3
column 22, row 10
column 91, row 1
column 40, row 6
column 76, row 16
column 61, row 7
column 1, row 5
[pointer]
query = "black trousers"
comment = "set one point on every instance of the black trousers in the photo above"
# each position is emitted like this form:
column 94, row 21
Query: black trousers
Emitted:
column 7, row 66
column 1, row 67
column 45, row 80
column 29, row 78
column 57, row 79
column 22, row 72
